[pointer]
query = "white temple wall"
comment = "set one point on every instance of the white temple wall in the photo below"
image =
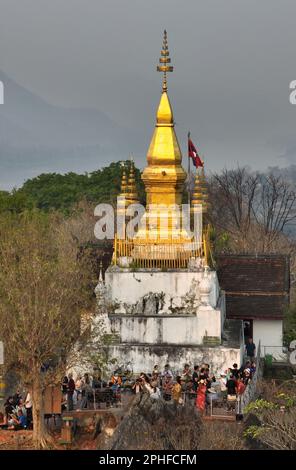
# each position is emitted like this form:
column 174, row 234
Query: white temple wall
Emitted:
column 270, row 335
column 160, row 317
column 143, row 357
column 129, row 287
column 169, row 329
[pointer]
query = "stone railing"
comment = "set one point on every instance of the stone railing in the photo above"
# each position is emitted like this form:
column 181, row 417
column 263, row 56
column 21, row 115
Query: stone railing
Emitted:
column 251, row 389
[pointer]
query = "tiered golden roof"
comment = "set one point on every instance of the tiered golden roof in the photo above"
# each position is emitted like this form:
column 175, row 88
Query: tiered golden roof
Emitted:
column 128, row 193
column 200, row 194
column 131, row 192
column 121, row 200
column 123, row 191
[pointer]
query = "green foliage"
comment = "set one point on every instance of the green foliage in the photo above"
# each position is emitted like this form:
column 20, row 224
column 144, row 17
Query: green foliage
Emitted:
column 268, row 360
column 52, row 191
column 289, row 325
column 253, row 432
column 259, row 406
column 220, row 242
column 15, row 202
column 287, row 400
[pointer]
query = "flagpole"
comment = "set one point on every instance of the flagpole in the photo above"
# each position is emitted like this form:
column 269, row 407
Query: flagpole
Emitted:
column 188, row 187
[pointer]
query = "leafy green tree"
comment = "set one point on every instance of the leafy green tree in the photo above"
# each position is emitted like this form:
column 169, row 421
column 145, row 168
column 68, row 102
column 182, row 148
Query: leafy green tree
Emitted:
column 52, row 191
column 276, row 418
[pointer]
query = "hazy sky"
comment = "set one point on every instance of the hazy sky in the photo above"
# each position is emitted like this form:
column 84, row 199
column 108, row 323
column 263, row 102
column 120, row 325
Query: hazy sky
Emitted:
column 233, row 62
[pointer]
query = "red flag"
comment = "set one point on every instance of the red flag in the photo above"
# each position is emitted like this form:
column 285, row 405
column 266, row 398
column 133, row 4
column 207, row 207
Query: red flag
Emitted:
column 192, row 153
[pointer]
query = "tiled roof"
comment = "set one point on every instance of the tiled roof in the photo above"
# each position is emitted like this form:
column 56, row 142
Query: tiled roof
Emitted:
column 255, row 286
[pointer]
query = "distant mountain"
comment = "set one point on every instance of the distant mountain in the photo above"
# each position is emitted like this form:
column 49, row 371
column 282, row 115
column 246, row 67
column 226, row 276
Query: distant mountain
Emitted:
column 36, row 137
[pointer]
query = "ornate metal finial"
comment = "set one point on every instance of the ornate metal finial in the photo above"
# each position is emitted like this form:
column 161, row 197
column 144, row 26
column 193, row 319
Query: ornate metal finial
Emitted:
column 164, row 60
column 101, row 272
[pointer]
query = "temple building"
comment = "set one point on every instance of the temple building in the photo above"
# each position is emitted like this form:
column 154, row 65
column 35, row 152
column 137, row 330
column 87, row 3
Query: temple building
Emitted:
column 257, row 290
column 161, row 300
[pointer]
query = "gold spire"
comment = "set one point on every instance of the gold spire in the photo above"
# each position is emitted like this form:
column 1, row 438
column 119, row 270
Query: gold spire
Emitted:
column 164, row 176
column 164, row 60
column 132, row 193
column 164, row 113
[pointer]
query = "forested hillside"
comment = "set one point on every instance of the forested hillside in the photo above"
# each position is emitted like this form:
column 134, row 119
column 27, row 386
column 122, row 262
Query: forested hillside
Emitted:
column 61, row 192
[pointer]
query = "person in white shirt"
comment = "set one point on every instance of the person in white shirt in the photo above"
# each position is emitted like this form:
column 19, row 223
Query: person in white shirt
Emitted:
column 155, row 394
column 222, row 381
column 167, row 372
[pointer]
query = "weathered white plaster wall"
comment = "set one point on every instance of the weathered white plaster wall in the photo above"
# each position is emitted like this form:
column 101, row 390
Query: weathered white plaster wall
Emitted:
column 143, row 358
column 128, row 287
column 169, row 329
column 149, row 332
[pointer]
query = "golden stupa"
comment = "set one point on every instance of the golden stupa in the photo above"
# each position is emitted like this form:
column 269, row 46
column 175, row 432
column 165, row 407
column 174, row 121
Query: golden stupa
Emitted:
column 164, row 176
column 163, row 238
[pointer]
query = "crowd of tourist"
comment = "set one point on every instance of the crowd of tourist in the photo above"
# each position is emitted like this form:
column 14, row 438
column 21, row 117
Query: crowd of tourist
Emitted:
column 198, row 384
column 83, row 392
column 17, row 412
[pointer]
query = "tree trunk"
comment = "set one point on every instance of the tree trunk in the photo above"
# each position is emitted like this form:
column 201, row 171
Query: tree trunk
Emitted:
column 40, row 436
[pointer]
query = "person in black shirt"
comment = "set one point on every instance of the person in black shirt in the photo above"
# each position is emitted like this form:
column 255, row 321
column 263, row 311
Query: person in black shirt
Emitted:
column 16, row 398
column 8, row 409
column 65, row 385
column 231, row 392
column 70, row 392
column 235, row 371
column 209, row 378
column 195, row 378
column 231, row 385
column 250, row 349
column 202, row 375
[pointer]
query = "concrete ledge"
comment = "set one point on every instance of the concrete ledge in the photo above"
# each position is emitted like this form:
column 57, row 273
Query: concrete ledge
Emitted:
column 157, row 315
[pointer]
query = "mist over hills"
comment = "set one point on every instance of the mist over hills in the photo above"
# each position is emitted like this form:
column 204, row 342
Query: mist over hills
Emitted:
column 37, row 137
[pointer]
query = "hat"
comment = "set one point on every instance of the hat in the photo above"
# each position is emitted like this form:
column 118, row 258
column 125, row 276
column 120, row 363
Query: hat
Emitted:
column 222, row 374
